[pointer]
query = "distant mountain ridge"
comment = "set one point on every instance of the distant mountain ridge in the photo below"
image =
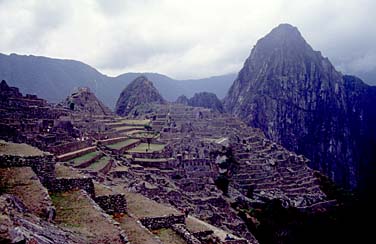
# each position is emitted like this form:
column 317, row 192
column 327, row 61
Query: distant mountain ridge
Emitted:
column 202, row 99
column 54, row 79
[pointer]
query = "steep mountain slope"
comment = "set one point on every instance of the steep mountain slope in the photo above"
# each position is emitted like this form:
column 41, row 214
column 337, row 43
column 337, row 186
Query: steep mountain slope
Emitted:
column 140, row 91
column 54, row 79
column 84, row 101
column 297, row 98
column 51, row 79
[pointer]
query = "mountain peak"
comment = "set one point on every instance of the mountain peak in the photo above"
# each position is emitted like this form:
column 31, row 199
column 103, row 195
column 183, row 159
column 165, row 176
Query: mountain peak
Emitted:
column 291, row 92
column 284, row 36
column 285, row 28
column 139, row 91
column 3, row 85
column 142, row 79
column 84, row 101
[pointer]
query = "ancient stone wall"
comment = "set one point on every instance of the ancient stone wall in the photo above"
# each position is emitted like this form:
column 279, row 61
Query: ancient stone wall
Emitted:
column 43, row 166
column 239, row 241
column 76, row 154
column 69, row 147
column 202, row 234
column 122, row 234
column 107, row 167
column 162, row 222
column 151, row 155
column 111, row 140
column 67, row 184
column 168, row 164
column 185, row 234
column 112, row 203
column 122, row 150
column 90, row 161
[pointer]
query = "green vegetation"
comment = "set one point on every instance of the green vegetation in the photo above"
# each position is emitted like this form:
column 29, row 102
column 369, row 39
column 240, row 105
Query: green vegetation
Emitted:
column 66, row 172
column 169, row 236
column 74, row 211
column 101, row 190
column 140, row 206
column 122, row 144
column 127, row 127
column 131, row 122
column 85, row 157
column 23, row 183
column 99, row 164
column 135, row 232
column 161, row 160
column 144, row 147
column 145, row 134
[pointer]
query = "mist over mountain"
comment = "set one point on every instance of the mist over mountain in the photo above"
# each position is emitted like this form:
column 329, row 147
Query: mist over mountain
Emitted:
column 368, row 77
column 54, row 79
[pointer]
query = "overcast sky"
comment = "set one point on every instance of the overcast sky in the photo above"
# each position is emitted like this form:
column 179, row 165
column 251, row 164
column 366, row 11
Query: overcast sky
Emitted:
column 184, row 38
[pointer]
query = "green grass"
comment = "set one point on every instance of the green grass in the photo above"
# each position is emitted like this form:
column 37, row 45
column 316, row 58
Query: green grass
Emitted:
column 99, row 164
column 23, row 183
column 161, row 160
column 143, row 146
column 135, row 232
column 169, row 236
column 75, row 212
column 122, row 144
column 145, row 135
column 131, row 122
column 128, row 127
column 85, row 157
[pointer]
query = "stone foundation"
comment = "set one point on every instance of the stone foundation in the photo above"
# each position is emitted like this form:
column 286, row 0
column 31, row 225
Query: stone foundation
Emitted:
column 69, row 147
column 112, row 203
column 185, row 234
column 154, row 223
column 68, row 184
column 68, row 156
column 89, row 162
column 43, row 166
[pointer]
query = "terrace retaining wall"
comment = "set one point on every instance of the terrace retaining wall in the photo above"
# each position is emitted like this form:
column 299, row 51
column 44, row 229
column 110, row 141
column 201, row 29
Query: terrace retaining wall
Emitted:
column 68, row 184
column 89, row 162
column 43, row 166
column 69, row 147
column 75, row 155
column 154, row 223
column 185, row 234
column 107, row 167
column 112, row 203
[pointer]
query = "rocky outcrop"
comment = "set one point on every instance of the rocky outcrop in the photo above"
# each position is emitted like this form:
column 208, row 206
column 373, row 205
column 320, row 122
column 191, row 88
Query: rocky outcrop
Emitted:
column 18, row 225
column 140, row 91
column 6, row 91
column 84, row 101
column 182, row 100
column 298, row 99
column 202, row 99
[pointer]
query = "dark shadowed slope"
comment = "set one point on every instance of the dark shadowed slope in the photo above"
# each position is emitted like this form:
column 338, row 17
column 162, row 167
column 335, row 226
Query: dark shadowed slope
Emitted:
column 140, row 91
column 297, row 98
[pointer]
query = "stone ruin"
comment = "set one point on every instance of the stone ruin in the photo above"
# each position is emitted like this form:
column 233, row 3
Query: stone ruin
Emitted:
column 171, row 153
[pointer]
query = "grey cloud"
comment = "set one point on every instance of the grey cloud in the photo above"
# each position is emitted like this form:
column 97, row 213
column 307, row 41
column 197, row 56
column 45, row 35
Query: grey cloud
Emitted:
column 184, row 39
